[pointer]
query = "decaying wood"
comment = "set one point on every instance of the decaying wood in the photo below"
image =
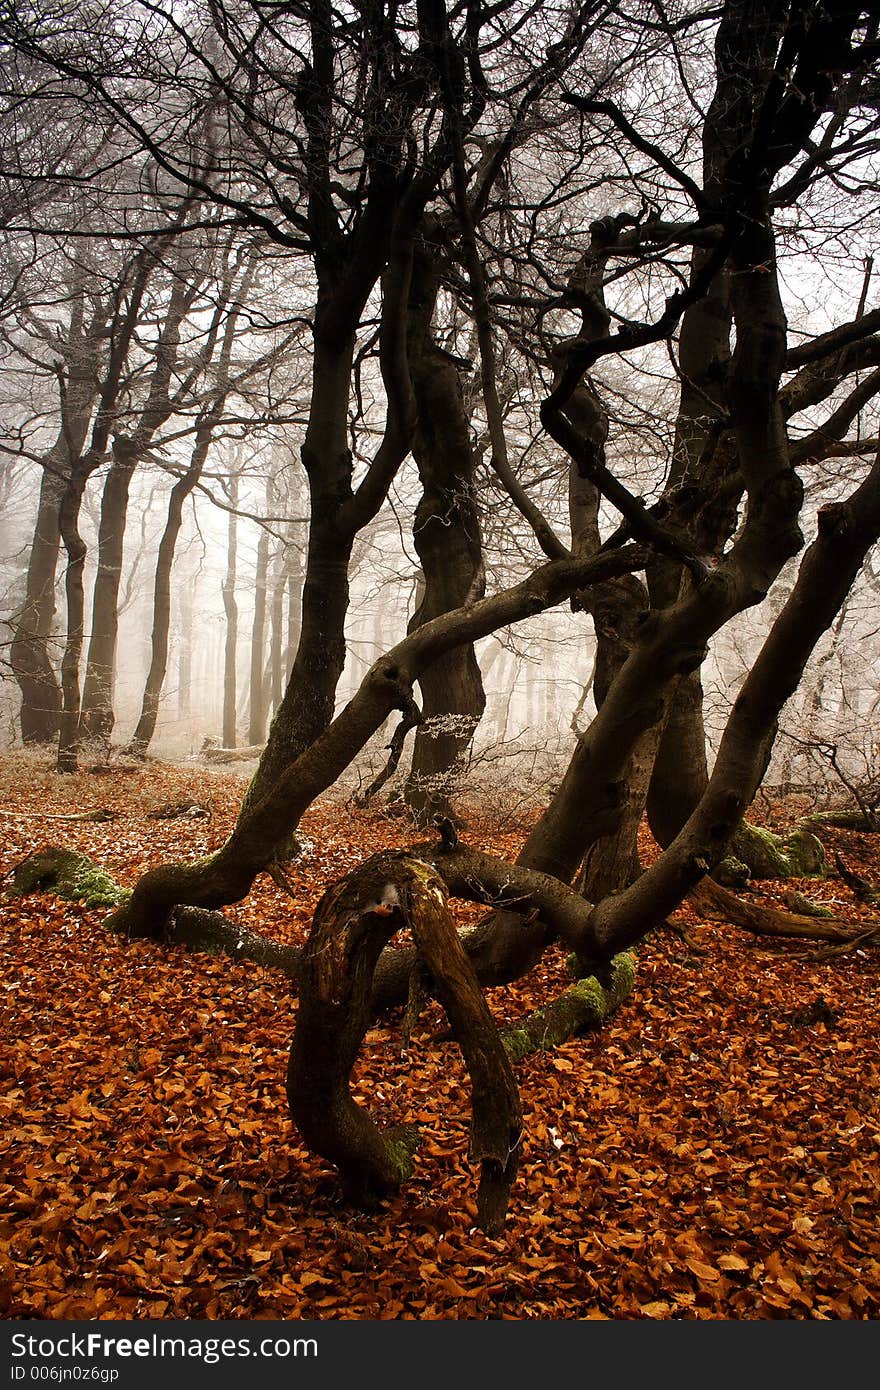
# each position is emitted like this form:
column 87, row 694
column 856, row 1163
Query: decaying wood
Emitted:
column 213, row 753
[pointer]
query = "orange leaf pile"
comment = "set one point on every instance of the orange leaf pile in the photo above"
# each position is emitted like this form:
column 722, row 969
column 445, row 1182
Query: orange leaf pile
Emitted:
column 704, row 1156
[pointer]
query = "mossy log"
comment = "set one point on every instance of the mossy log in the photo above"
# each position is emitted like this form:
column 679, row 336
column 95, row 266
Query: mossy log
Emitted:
column 766, row 855
column 353, row 923
column 584, row 1006
column 73, row 876
column 846, row 820
column 213, row 753
column 805, row 907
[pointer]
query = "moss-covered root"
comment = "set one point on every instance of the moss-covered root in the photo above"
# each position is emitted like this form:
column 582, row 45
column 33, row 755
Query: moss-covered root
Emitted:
column 586, row 1005
column 70, row 874
column 77, row 878
column 797, row 855
column 199, row 929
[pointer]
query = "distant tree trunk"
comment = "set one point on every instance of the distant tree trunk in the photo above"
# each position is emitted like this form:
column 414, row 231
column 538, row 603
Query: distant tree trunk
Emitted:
column 97, row 717
column 31, row 663
column 184, row 654
column 146, row 726
column 75, row 547
column 121, row 334
column 447, row 538
column 257, row 717
column 230, row 608
column 276, row 627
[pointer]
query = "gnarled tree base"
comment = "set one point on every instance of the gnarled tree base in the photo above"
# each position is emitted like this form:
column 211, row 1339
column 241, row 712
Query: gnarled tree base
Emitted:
column 77, row 878
column 353, row 923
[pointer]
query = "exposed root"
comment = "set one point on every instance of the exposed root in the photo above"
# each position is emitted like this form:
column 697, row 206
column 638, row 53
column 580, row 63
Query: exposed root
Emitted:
column 714, row 901
column 584, row 1006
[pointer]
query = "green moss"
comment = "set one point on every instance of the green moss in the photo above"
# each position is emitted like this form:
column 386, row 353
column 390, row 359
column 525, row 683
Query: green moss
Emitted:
column 401, row 1144
column 92, row 887
column 796, row 902
column 73, row 876
column 805, row 854
column 798, row 855
column 584, row 1005
column 623, row 980
column 761, row 850
column 517, row 1044
column 590, row 995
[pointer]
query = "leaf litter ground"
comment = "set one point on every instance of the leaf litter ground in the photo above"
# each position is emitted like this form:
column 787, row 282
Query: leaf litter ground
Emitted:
column 713, row 1153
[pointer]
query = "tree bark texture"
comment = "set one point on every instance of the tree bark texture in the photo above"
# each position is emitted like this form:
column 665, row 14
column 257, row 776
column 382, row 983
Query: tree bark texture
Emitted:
column 446, row 533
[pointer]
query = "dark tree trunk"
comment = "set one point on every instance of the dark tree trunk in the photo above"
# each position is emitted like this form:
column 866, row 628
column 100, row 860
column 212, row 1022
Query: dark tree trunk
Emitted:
column 310, row 697
column 447, row 538
column 680, row 774
column 612, row 861
column 31, row 664
column 354, row 921
column 704, row 463
column 121, row 333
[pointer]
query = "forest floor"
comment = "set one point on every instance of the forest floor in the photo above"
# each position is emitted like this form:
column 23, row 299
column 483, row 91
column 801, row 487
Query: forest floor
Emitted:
column 711, row 1154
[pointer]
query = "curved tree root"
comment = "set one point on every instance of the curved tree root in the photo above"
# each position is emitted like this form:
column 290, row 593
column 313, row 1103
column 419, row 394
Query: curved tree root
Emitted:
column 336, row 974
column 866, row 892
column 354, row 921
column 713, row 900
